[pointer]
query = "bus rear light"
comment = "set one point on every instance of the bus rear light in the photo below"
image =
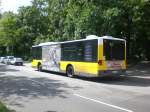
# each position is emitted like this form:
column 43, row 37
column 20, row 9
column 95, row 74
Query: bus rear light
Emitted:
column 100, row 62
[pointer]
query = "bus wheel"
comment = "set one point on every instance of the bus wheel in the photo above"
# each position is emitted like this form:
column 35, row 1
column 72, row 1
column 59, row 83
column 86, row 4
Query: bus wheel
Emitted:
column 70, row 71
column 39, row 68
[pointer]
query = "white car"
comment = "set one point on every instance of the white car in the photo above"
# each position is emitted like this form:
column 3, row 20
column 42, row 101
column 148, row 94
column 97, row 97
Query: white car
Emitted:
column 8, row 59
column 16, row 61
column 2, row 59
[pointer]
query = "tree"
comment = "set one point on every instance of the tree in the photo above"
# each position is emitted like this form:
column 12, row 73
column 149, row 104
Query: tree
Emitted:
column 9, row 31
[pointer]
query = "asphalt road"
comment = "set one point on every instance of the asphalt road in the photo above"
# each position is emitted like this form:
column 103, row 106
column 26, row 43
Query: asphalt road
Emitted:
column 27, row 90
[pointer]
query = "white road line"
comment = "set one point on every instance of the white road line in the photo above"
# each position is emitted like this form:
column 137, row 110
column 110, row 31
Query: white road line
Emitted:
column 110, row 105
column 37, row 82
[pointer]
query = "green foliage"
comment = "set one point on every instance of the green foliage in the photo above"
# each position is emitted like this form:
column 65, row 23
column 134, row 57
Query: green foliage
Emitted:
column 9, row 30
column 60, row 20
column 4, row 109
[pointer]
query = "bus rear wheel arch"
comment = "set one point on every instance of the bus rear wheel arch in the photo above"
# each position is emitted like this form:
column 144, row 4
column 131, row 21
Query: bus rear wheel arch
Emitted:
column 39, row 67
column 70, row 71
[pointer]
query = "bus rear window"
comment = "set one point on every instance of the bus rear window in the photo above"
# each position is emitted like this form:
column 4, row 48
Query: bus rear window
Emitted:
column 114, row 49
column 37, row 52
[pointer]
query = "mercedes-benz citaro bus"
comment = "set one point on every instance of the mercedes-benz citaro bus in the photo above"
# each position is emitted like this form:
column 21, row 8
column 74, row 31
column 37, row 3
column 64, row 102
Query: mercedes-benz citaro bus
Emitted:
column 93, row 56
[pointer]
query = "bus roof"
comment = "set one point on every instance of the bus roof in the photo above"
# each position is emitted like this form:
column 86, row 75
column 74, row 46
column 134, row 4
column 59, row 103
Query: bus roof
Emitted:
column 45, row 43
column 90, row 37
column 112, row 38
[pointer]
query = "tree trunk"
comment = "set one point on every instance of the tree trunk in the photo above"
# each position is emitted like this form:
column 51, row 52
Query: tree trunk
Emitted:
column 128, row 36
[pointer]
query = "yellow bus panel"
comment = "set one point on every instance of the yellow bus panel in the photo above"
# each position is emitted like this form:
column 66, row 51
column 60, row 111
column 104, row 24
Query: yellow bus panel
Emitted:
column 81, row 67
column 35, row 63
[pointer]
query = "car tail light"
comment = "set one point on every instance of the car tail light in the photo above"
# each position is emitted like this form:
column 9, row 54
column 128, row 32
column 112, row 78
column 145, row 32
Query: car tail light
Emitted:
column 100, row 62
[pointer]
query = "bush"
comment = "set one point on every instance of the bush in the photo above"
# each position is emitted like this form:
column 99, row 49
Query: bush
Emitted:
column 3, row 108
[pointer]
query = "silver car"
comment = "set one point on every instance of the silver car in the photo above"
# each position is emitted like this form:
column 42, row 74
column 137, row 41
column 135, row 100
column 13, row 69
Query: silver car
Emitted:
column 2, row 59
column 8, row 59
column 16, row 61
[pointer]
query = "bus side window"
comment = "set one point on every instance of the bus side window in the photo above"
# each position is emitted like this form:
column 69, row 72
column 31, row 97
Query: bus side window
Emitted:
column 90, row 51
column 82, row 51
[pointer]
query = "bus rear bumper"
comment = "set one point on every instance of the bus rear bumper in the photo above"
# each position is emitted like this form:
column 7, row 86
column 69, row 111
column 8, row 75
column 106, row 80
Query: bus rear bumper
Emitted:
column 112, row 72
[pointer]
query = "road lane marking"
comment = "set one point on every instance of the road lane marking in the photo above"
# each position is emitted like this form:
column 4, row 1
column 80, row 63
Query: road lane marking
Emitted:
column 37, row 82
column 97, row 101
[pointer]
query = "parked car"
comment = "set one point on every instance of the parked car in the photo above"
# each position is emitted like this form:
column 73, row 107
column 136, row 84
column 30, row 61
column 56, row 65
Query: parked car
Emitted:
column 16, row 61
column 8, row 59
column 2, row 59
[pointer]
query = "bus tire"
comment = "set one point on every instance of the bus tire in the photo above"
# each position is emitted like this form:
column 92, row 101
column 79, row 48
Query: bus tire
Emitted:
column 70, row 71
column 39, row 67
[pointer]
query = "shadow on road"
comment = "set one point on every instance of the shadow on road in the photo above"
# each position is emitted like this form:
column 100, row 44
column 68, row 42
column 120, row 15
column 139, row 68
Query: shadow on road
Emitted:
column 134, row 78
column 25, row 87
column 142, row 69
column 127, row 81
column 32, row 88
column 138, row 75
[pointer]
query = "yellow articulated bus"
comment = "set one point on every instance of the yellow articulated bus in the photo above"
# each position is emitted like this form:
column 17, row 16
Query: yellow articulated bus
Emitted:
column 93, row 56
